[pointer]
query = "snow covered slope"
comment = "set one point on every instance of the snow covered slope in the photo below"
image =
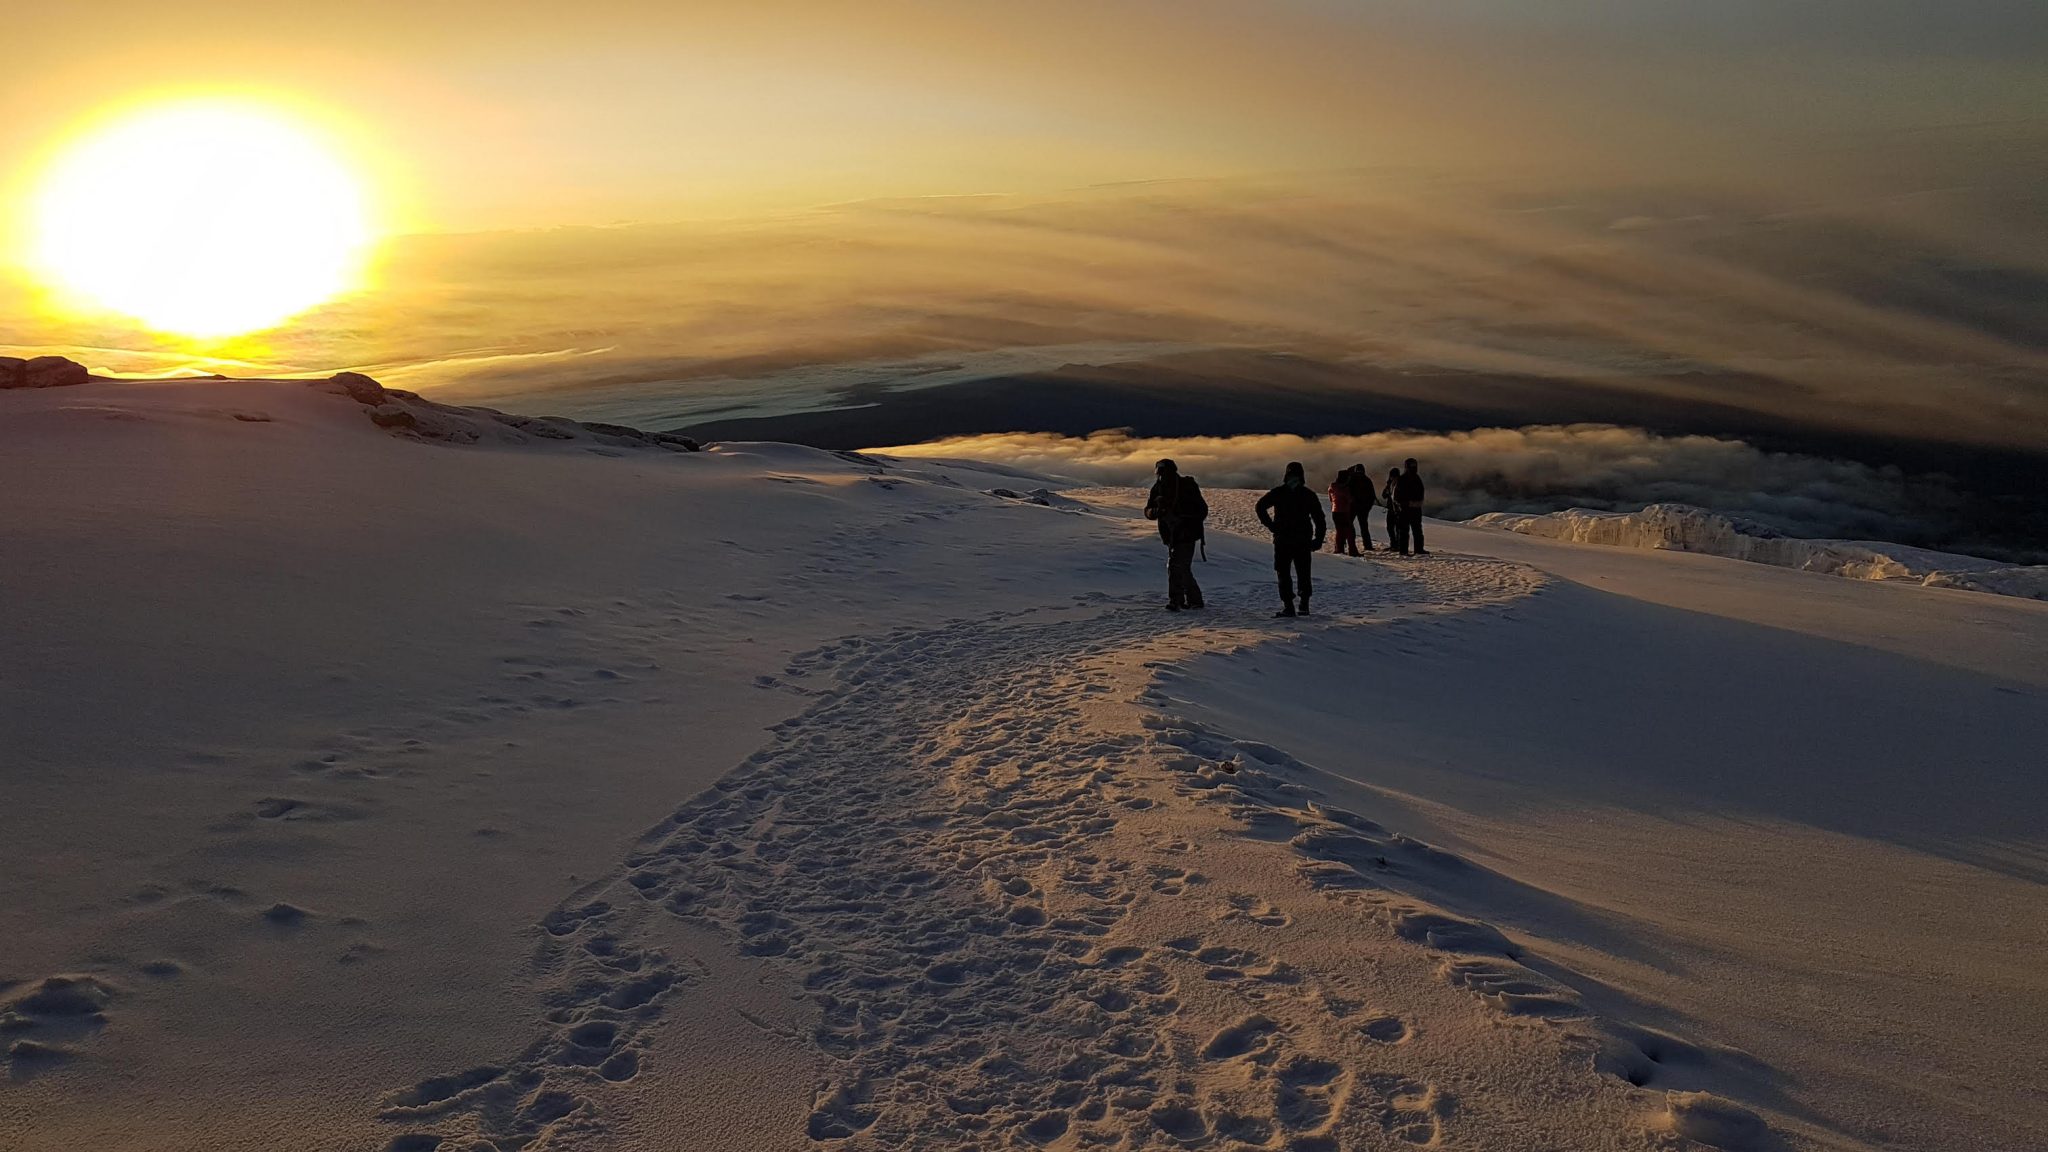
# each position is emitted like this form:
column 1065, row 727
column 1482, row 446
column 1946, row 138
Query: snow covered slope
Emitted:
column 1683, row 528
column 1789, row 815
column 372, row 786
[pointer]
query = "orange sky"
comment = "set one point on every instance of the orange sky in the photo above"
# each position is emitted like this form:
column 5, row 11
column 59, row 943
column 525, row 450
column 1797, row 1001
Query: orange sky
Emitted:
column 1839, row 202
column 526, row 114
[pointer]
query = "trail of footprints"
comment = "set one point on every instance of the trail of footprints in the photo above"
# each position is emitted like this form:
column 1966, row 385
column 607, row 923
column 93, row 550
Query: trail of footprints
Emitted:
column 1362, row 865
column 1356, row 862
column 929, row 849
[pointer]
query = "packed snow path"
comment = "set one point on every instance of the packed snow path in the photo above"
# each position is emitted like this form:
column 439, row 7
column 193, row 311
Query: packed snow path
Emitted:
column 279, row 852
column 965, row 849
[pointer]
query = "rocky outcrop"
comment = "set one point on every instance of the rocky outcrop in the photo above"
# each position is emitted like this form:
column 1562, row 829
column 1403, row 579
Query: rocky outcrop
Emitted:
column 41, row 372
column 402, row 413
column 358, row 387
column 416, row 417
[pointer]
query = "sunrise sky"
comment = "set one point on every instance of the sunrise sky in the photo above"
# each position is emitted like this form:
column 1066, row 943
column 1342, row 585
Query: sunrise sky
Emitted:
column 518, row 115
column 1818, row 226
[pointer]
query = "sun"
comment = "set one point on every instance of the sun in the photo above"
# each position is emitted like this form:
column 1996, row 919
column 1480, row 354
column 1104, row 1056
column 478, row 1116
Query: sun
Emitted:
column 204, row 218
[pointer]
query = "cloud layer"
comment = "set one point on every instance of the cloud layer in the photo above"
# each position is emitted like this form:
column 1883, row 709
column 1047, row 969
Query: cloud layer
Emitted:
column 1890, row 331
column 1536, row 469
column 1822, row 320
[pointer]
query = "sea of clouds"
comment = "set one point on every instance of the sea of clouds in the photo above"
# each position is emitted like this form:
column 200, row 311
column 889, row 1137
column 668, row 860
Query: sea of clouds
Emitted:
column 1541, row 468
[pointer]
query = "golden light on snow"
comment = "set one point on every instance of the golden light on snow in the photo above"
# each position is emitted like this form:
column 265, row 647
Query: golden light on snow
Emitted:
column 201, row 217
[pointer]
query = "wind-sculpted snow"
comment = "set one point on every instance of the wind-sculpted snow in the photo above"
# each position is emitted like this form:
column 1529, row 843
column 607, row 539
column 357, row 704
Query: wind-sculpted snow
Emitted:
column 364, row 738
column 979, row 852
column 1682, row 528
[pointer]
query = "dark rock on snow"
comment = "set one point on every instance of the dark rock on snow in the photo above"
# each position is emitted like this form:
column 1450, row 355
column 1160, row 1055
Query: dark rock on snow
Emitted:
column 358, row 387
column 413, row 416
column 41, row 372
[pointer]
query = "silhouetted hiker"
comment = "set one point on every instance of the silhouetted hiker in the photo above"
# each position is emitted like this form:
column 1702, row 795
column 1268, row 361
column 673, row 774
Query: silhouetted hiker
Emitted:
column 1341, row 511
column 1397, row 532
column 1408, row 489
column 1294, row 516
column 1362, row 503
column 1177, row 506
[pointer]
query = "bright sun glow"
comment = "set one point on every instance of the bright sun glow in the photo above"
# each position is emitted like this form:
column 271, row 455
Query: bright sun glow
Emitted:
column 205, row 218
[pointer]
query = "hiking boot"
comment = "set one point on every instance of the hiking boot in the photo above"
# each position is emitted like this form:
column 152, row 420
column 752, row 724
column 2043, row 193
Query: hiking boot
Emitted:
column 1422, row 552
column 1196, row 605
column 1286, row 611
column 1173, row 608
column 1304, row 608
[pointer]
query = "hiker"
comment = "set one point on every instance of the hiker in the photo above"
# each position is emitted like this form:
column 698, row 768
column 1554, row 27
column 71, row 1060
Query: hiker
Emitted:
column 1341, row 489
column 1176, row 505
column 1408, row 488
column 1397, row 532
column 1294, row 516
column 1362, row 504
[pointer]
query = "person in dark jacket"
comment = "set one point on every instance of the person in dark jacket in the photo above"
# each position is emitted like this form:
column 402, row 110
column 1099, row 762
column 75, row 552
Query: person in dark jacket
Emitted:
column 1177, row 506
column 1397, row 532
column 1362, row 503
column 1408, row 489
column 1294, row 516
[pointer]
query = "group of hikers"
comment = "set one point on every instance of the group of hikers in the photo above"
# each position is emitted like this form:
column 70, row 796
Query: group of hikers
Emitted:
column 1294, row 515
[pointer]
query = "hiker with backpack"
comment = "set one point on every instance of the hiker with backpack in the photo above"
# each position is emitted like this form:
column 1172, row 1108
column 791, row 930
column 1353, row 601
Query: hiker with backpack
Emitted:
column 1409, row 490
column 1177, row 506
column 1294, row 516
column 1397, row 531
column 1362, row 504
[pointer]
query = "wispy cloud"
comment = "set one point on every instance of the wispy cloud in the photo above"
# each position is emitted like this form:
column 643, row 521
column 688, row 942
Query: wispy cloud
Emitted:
column 1888, row 320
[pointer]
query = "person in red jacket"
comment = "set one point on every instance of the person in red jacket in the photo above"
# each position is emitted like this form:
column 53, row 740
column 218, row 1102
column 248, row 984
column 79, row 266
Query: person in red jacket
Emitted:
column 1341, row 490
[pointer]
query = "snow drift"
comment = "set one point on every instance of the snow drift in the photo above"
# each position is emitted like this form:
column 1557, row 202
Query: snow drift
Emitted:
column 1684, row 528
